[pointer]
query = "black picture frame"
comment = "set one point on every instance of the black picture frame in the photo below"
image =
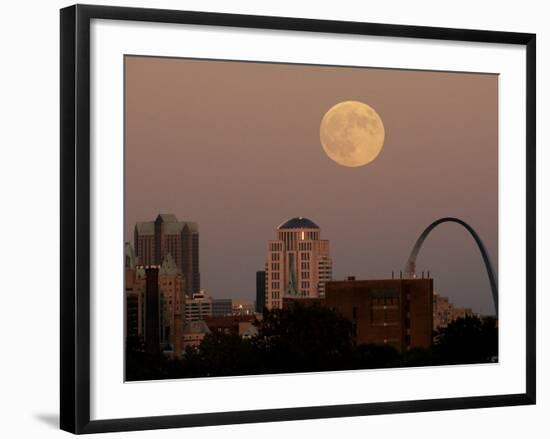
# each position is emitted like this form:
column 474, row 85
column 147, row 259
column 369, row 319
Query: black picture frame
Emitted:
column 75, row 217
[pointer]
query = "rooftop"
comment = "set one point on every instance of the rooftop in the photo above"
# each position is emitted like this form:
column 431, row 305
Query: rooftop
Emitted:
column 298, row 222
column 171, row 225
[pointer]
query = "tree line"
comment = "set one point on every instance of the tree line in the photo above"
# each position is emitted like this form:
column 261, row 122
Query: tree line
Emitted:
column 311, row 339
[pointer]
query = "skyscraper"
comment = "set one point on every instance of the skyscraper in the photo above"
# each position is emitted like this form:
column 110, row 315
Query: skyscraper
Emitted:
column 135, row 294
column 153, row 240
column 298, row 262
column 172, row 299
column 149, row 306
column 152, row 324
column 260, row 291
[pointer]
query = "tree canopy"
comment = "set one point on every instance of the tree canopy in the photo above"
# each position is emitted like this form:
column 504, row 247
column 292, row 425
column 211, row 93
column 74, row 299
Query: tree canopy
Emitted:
column 310, row 339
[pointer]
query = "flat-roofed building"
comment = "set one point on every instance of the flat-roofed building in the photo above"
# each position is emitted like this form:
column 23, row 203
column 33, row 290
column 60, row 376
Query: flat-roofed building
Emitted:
column 198, row 307
column 398, row 312
column 222, row 307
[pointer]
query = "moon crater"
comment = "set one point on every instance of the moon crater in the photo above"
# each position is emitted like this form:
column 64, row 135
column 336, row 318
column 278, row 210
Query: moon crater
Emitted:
column 352, row 133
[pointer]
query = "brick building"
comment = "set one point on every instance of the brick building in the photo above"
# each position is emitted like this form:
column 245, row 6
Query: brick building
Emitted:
column 397, row 312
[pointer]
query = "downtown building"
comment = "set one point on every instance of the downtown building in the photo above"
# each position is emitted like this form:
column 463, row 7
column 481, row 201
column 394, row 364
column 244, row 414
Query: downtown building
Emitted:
column 298, row 263
column 155, row 303
column 153, row 240
column 243, row 307
column 445, row 312
column 198, row 307
column 394, row 312
column 260, row 291
column 222, row 307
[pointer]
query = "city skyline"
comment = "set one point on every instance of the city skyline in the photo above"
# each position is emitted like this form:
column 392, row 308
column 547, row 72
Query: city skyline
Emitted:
column 440, row 159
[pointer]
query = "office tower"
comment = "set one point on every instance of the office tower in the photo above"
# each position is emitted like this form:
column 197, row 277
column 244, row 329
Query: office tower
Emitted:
column 152, row 311
column 172, row 296
column 153, row 240
column 134, row 294
column 260, row 291
column 298, row 262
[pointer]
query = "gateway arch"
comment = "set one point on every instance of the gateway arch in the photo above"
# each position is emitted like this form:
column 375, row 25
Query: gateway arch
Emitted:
column 410, row 269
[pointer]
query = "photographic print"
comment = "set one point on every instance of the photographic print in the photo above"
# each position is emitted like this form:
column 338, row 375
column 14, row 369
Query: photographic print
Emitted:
column 289, row 218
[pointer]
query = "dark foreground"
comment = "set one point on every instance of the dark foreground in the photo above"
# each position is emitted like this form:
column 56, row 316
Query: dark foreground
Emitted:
column 311, row 339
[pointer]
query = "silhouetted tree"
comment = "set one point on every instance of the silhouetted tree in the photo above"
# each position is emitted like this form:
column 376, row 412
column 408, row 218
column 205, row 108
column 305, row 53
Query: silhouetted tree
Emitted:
column 141, row 366
column 373, row 356
column 417, row 357
column 221, row 354
column 135, row 343
column 466, row 340
column 311, row 338
column 303, row 338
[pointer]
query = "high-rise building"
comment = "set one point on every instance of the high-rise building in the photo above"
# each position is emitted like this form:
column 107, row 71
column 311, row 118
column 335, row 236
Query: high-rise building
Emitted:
column 153, row 240
column 222, row 307
column 152, row 311
column 260, row 291
column 172, row 296
column 147, row 303
column 298, row 262
column 134, row 284
column 397, row 312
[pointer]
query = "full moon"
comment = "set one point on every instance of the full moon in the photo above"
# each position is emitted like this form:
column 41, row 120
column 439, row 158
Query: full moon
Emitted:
column 352, row 133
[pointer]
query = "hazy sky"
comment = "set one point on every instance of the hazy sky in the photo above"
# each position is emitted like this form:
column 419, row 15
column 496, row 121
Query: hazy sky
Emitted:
column 235, row 147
